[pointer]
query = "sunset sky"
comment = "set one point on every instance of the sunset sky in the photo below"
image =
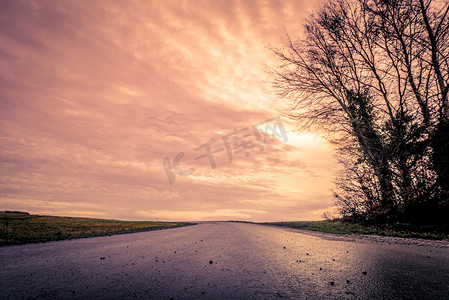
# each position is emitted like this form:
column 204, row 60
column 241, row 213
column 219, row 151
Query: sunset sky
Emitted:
column 94, row 95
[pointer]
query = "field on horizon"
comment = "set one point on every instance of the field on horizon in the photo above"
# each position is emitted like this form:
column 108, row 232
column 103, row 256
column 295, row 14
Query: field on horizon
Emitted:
column 20, row 228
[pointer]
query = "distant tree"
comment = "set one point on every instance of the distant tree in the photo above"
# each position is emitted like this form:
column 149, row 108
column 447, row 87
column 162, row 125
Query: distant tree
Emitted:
column 327, row 215
column 373, row 75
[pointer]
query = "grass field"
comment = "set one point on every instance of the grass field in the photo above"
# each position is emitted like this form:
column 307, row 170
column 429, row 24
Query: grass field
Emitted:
column 340, row 227
column 19, row 228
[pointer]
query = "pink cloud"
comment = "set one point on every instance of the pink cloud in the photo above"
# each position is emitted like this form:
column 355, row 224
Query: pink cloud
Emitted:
column 95, row 95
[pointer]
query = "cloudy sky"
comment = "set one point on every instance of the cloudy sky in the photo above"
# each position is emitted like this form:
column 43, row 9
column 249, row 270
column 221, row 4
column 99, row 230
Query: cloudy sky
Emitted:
column 96, row 95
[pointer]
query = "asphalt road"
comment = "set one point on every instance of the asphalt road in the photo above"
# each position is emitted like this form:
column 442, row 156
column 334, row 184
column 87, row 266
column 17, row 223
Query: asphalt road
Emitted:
column 220, row 260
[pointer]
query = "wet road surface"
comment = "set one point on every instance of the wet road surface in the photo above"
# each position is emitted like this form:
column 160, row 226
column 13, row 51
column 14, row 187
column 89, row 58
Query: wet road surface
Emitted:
column 220, row 260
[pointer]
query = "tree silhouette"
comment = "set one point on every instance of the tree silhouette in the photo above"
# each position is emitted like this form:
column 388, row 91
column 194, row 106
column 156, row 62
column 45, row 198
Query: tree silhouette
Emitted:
column 373, row 75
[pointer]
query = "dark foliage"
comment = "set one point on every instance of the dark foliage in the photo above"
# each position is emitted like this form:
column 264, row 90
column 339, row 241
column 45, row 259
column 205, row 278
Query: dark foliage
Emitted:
column 373, row 76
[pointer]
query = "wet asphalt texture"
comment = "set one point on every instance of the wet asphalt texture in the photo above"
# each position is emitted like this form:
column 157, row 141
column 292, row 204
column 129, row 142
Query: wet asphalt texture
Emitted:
column 223, row 260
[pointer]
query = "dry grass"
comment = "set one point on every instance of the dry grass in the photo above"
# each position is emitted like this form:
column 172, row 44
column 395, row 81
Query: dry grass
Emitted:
column 16, row 228
column 342, row 227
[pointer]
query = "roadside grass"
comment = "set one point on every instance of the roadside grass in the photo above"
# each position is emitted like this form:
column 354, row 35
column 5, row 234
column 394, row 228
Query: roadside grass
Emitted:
column 343, row 227
column 19, row 228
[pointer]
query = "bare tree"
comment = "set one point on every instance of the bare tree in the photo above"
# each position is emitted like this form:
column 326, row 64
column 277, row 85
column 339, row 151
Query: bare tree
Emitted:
column 373, row 75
